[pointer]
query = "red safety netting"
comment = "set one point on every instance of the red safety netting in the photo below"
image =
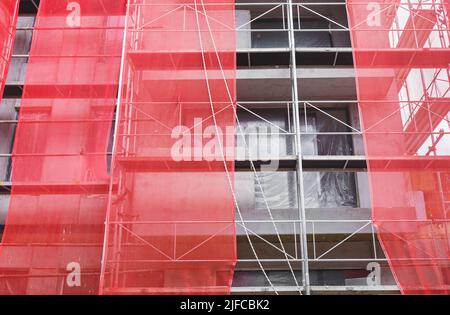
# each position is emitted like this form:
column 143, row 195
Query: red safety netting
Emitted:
column 402, row 55
column 53, row 238
column 8, row 19
column 171, row 221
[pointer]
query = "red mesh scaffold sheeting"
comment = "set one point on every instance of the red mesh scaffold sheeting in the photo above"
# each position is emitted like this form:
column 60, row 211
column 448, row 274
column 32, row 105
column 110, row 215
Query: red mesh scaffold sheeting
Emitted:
column 171, row 221
column 402, row 56
column 8, row 19
column 53, row 238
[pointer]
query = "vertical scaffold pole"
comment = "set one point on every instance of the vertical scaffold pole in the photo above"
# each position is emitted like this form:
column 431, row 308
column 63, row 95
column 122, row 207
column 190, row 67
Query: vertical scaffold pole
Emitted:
column 296, row 116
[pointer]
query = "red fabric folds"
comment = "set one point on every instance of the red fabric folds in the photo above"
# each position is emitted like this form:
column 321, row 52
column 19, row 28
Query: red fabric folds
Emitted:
column 171, row 221
column 8, row 19
column 53, row 239
column 402, row 56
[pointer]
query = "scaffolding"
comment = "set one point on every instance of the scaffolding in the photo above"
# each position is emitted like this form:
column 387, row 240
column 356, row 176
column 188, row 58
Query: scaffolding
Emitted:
column 402, row 67
column 297, row 237
column 9, row 10
column 170, row 225
column 52, row 242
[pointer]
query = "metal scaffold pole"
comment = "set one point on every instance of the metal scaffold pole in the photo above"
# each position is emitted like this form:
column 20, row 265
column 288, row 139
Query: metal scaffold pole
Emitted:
column 299, row 171
column 114, row 145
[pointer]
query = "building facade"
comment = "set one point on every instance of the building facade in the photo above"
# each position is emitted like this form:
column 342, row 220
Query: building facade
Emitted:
column 305, row 189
